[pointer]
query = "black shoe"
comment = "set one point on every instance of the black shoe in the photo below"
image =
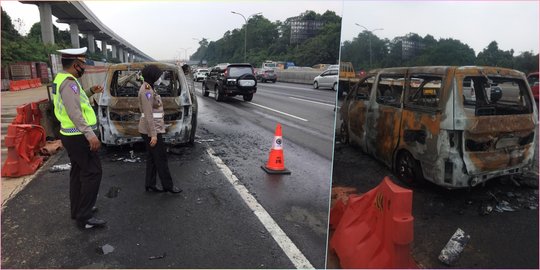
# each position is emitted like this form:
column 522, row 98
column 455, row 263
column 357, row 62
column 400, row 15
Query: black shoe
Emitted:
column 154, row 189
column 173, row 190
column 91, row 223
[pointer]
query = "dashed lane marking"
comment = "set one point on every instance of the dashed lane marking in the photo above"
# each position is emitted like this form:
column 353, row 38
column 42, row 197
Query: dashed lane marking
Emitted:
column 290, row 249
column 316, row 102
column 274, row 110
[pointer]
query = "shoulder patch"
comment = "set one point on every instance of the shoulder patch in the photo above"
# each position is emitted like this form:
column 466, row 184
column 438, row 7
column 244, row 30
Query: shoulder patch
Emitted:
column 148, row 95
column 147, row 87
column 74, row 87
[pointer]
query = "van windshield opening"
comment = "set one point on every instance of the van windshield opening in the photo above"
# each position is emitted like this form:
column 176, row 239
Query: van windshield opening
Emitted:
column 126, row 83
column 493, row 95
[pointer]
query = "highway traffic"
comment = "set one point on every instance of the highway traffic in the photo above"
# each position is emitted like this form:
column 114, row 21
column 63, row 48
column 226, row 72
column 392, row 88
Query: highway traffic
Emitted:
column 231, row 213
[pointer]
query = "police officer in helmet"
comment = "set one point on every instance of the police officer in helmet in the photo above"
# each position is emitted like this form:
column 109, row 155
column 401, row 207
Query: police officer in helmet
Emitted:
column 78, row 123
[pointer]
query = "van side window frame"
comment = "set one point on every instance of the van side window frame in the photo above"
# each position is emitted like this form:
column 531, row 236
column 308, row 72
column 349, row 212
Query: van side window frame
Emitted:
column 359, row 93
column 388, row 95
column 423, row 102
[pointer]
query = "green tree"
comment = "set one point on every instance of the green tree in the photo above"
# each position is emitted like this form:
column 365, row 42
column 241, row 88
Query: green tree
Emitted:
column 446, row 52
column 526, row 62
column 493, row 56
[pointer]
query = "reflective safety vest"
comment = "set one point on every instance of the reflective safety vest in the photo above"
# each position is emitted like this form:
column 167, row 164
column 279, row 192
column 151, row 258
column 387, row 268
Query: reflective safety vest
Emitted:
column 66, row 125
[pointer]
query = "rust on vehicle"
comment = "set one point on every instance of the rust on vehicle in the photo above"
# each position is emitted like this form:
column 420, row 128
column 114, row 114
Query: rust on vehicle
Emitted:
column 454, row 126
column 119, row 113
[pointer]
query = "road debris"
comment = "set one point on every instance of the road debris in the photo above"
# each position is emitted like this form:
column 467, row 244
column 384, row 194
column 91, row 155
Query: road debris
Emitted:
column 454, row 247
column 60, row 167
column 158, row 257
column 132, row 158
column 106, row 249
column 113, row 192
column 51, row 147
column 205, row 140
column 504, row 206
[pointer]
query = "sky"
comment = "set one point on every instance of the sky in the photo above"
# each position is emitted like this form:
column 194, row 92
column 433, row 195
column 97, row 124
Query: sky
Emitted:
column 513, row 24
column 167, row 30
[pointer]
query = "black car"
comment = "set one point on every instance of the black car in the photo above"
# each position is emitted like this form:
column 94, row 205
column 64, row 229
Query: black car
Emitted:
column 231, row 80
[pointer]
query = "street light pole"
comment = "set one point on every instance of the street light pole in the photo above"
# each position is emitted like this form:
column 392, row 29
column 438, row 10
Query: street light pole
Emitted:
column 245, row 31
column 369, row 39
column 185, row 52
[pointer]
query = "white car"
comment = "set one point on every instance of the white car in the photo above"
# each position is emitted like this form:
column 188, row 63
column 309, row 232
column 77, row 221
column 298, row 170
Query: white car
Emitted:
column 200, row 74
column 329, row 78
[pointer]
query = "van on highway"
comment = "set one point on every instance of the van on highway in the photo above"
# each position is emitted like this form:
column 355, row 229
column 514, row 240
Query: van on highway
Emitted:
column 118, row 106
column 454, row 126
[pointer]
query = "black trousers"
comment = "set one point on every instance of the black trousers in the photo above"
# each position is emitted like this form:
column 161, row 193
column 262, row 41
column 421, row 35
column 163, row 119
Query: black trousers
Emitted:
column 84, row 177
column 157, row 163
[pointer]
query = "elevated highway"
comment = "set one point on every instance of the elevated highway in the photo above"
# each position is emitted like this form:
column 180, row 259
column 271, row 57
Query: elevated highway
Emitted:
column 82, row 20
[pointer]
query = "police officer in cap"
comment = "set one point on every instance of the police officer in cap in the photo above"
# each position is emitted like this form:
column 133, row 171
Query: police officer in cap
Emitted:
column 77, row 124
column 152, row 127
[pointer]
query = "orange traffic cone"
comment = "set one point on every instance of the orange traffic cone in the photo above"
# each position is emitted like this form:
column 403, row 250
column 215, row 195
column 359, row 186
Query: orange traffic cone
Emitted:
column 276, row 162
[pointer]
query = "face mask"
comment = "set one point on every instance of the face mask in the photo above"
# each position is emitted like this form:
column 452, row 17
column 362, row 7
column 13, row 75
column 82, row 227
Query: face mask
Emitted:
column 80, row 71
column 158, row 82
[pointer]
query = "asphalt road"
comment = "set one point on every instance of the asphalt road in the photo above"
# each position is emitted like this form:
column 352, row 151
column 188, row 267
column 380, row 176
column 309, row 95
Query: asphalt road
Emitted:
column 507, row 239
column 211, row 224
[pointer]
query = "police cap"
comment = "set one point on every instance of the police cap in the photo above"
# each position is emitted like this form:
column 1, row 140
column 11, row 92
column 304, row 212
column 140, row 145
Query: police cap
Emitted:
column 75, row 53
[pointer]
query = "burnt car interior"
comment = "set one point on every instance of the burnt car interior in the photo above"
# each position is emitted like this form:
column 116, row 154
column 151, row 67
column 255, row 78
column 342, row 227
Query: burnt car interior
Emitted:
column 126, row 83
column 496, row 95
column 424, row 90
column 389, row 90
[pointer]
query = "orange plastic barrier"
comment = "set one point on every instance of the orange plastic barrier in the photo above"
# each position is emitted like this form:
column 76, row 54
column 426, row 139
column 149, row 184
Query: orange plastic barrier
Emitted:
column 24, row 84
column 24, row 115
column 374, row 230
column 36, row 113
column 32, row 83
column 276, row 160
column 23, row 143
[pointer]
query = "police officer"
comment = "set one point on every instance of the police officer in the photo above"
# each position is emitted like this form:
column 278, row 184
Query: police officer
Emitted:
column 77, row 124
column 152, row 127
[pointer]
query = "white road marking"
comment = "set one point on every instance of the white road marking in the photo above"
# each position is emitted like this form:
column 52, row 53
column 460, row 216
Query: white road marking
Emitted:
column 316, row 102
column 290, row 249
column 284, row 113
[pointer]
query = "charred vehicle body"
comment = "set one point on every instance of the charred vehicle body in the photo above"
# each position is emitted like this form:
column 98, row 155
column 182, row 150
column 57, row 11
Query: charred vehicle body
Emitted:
column 454, row 126
column 118, row 106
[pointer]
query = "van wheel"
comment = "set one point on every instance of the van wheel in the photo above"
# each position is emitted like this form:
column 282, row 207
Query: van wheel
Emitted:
column 344, row 133
column 217, row 95
column 408, row 169
column 248, row 97
column 315, row 85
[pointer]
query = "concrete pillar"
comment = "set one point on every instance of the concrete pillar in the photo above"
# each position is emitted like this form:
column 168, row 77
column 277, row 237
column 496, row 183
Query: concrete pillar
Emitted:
column 114, row 55
column 126, row 56
column 45, row 18
column 104, row 48
column 121, row 54
column 74, row 31
column 91, row 40
column 131, row 58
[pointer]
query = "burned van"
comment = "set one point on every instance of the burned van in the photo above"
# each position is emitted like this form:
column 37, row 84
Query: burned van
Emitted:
column 454, row 126
column 118, row 106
